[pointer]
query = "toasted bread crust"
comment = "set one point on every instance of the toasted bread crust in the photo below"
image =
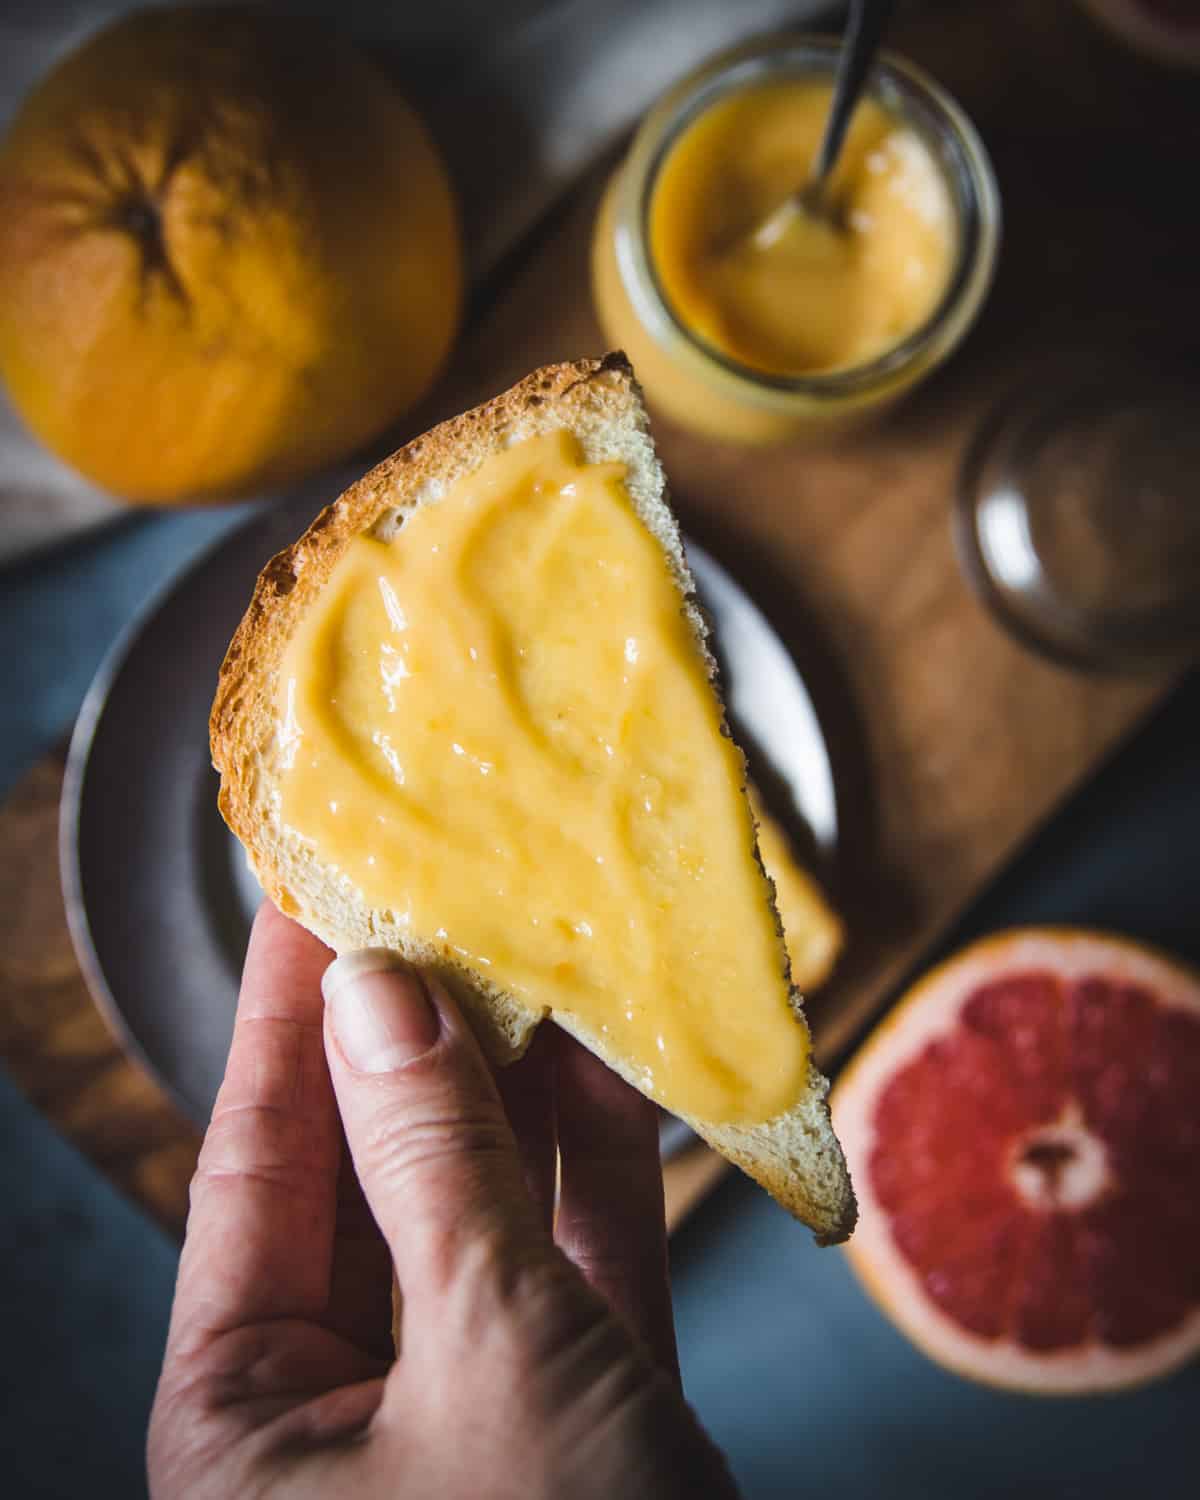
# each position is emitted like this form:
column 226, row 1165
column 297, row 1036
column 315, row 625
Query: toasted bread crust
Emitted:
column 796, row 1157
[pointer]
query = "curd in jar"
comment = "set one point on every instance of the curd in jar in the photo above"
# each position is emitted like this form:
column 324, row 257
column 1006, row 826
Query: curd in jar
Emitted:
column 761, row 337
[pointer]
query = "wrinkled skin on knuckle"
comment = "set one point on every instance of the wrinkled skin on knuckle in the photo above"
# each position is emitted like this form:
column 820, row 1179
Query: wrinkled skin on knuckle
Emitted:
column 402, row 1144
column 245, row 1415
column 426, row 1126
column 609, row 1420
column 513, row 1315
column 559, row 1388
column 210, row 1398
column 606, row 1257
column 553, row 1311
column 644, row 1444
column 174, row 1443
column 431, row 1150
column 565, row 1356
column 477, row 1265
column 205, row 1460
column 190, row 1449
column 260, row 1143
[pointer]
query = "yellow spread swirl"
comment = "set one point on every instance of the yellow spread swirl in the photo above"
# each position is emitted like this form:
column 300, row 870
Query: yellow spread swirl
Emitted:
column 827, row 293
column 498, row 726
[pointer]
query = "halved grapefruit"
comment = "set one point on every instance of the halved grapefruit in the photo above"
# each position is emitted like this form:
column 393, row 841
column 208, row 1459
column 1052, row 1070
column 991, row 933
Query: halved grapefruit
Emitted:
column 1023, row 1132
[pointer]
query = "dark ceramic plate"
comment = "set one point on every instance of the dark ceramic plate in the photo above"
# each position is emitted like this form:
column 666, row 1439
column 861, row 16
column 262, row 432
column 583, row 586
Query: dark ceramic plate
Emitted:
column 158, row 895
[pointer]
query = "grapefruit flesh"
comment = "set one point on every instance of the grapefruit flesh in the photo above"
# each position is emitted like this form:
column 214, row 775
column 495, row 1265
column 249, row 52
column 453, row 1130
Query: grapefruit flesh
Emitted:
column 1024, row 1135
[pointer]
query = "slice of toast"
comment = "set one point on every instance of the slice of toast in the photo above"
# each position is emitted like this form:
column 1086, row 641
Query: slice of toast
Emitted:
column 796, row 1156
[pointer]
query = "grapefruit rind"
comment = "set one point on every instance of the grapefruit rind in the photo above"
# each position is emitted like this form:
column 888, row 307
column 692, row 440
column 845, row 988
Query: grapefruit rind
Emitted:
column 930, row 1010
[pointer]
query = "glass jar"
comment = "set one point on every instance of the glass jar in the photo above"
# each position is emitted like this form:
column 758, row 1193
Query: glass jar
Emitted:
column 1076, row 518
column 707, row 390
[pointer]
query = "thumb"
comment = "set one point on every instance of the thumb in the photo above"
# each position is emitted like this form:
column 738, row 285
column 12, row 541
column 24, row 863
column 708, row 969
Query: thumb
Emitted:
column 431, row 1143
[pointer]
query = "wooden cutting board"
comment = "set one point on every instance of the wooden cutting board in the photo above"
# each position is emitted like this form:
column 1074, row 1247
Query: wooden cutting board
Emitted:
column 950, row 742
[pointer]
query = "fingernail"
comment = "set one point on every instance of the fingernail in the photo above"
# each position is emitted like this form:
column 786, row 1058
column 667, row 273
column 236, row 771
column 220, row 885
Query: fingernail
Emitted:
column 380, row 1010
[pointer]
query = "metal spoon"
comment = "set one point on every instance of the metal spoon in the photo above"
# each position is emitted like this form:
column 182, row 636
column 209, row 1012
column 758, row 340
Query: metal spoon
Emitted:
column 864, row 30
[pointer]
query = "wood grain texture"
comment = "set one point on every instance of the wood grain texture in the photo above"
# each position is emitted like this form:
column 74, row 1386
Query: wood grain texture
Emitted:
column 53, row 1039
column 951, row 743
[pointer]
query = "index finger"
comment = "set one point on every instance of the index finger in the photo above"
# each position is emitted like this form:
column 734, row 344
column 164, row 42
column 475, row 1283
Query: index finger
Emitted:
column 259, row 1240
column 611, row 1219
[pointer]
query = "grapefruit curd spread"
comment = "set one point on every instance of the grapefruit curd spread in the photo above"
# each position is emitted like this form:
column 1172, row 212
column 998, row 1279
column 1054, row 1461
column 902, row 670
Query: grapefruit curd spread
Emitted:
column 825, row 291
column 497, row 724
column 760, row 337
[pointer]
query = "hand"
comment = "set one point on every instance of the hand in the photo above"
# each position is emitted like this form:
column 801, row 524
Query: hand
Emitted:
column 533, row 1364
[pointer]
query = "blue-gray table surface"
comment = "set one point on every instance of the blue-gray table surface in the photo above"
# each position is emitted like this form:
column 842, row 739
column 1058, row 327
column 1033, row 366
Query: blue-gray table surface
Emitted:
column 796, row 1374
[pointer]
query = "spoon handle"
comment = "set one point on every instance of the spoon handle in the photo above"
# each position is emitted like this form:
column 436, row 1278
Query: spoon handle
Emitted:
column 868, row 19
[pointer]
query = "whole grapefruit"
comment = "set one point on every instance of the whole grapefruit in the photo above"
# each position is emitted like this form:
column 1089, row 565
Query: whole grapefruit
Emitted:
column 229, row 254
column 1024, row 1136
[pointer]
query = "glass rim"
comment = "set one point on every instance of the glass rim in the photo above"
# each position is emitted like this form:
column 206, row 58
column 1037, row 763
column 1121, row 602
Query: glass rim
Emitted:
column 1086, row 395
column 915, row 98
